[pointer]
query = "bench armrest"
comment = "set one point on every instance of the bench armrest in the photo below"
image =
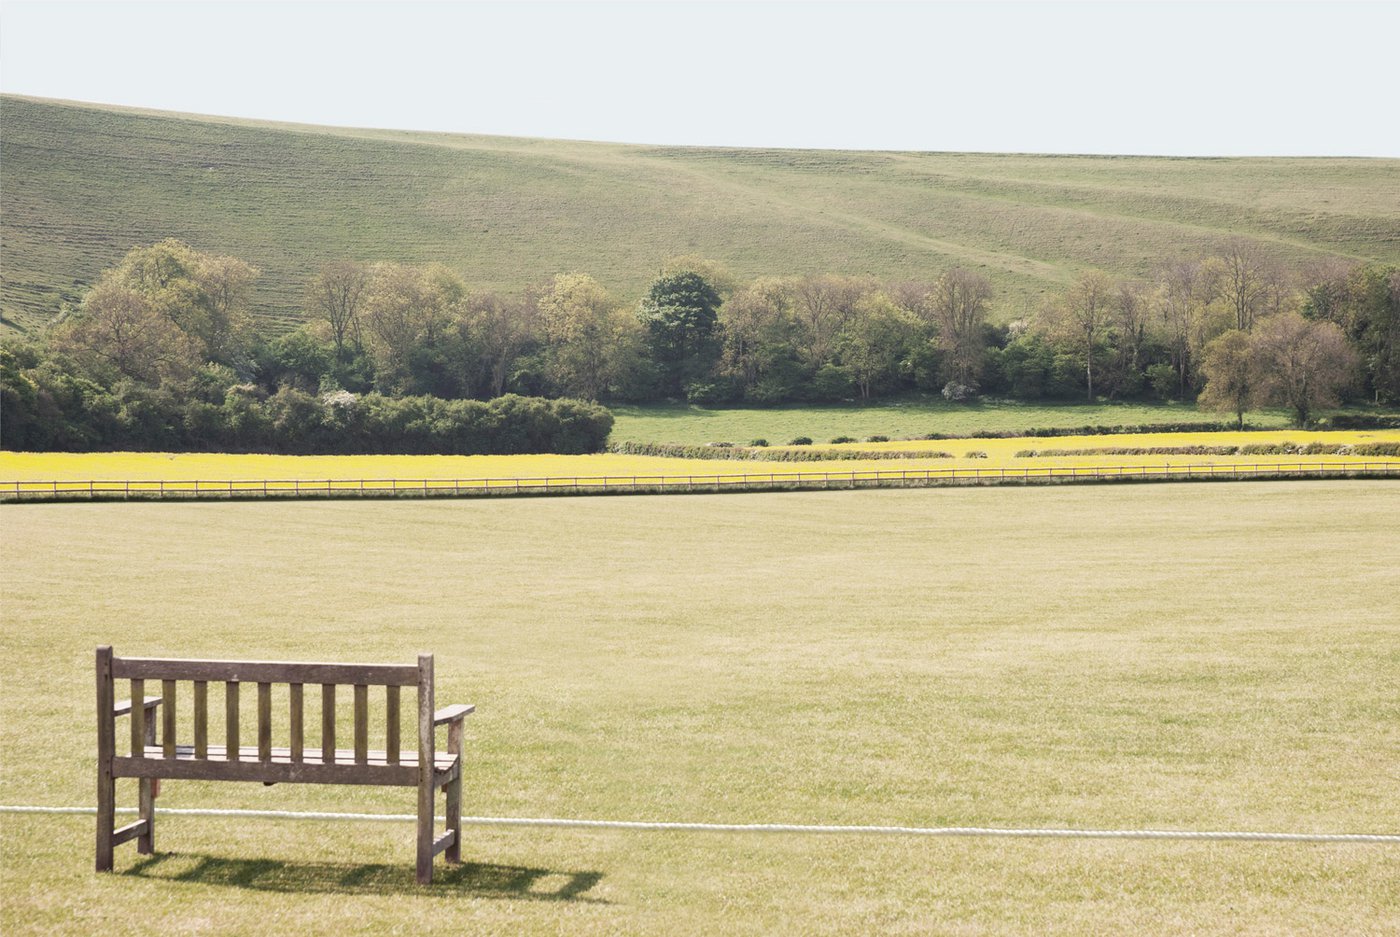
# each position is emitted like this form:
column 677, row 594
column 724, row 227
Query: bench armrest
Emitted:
column 124, row 707
column 452, row 714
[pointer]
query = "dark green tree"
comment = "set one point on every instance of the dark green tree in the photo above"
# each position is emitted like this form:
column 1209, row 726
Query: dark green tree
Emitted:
column 680, row 313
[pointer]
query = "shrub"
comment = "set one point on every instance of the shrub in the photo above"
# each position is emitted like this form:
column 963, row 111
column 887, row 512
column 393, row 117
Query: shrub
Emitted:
column 976, row 454
column 1163, row 380
column 712, row 392
column 838, row 440
column 958, row 393
column 1363, row 421
column 801, row 441
column 833, row 382
column 759, row 443
column 877, row 439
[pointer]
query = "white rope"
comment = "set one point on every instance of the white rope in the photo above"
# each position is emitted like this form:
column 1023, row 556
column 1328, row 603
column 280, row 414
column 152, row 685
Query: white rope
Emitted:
column 664, row 826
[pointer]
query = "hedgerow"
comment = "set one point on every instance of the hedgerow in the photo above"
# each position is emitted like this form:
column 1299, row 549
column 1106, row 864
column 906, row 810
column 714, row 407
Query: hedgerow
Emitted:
column 754, row 454
column 1283, row 448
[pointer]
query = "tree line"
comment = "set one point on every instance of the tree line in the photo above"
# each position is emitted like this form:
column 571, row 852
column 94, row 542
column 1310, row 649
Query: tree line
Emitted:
column 163, row 347
column 1233, row 329
column 163, row 355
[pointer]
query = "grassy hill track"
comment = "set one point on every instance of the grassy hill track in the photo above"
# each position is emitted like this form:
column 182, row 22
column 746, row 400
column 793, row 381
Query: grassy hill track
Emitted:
column 81, row 184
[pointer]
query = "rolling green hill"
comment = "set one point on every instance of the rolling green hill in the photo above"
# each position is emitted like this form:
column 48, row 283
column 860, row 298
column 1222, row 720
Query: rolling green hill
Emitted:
column 81, row 184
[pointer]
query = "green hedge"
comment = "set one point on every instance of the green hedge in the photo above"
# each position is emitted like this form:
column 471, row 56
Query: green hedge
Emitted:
column 44, row 409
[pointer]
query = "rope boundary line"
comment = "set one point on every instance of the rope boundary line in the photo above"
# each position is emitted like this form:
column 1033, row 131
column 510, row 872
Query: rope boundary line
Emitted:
column 790, row 828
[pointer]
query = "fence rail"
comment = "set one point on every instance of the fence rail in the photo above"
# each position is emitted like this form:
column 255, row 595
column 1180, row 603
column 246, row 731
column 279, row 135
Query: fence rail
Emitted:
column 119, row 490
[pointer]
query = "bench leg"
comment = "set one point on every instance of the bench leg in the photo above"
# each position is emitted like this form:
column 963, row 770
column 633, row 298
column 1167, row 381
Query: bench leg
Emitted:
column 146, row 842
column 106, row 818
column 425, row 833
column 454, row 817
column 106, row 748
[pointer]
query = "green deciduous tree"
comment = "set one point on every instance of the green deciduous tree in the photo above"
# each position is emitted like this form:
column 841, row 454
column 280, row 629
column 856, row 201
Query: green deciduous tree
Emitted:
column 1373, row 323
column 407, row 313
column 680, row 313
column 589, row 338
column 874, row 341
column 1079, row 321
column 759, row 350
column 1185, row 291
column 1301, row 365
column 958, row 302
column 501, row 330
column 1229, row 370
column 1243, row 277
column 207, row 296
column 121, row 332
column 335, row 296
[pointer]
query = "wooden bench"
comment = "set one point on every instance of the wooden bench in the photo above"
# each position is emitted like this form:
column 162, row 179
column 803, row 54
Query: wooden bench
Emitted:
column 196, row 759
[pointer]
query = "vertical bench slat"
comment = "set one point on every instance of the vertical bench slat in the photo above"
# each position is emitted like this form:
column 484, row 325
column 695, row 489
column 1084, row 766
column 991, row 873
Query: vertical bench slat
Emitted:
column 167, row 722
column 361, row 723
column 328, row 723
column 391, row 708
column 298, row 736
column 201, row 719
column 264, row 722
column 425, row 768
column 146, row 799
column 138, row 719
column 231, row 719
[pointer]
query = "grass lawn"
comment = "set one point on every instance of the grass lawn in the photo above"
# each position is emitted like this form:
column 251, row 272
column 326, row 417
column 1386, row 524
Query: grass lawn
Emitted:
column 913, row 416
column 1174, row 656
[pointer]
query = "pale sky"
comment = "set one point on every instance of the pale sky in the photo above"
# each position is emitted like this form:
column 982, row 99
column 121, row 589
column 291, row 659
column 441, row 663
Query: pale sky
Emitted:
column 1253, row 78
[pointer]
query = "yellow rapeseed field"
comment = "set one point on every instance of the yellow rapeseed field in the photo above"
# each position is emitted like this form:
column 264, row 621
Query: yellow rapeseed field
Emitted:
column 999, row 453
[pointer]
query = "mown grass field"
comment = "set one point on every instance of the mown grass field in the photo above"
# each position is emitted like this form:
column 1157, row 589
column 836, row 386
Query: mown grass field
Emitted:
column 1173, row 656
column 83, row 184
column 942, row 453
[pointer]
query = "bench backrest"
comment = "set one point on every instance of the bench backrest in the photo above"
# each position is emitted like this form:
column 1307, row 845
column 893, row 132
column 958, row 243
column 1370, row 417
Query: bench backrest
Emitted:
column 142, row 672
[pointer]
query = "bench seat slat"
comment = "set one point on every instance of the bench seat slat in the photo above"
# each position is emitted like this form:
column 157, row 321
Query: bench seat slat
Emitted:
column 124, row 707
column 282, row 769
column 344, row 757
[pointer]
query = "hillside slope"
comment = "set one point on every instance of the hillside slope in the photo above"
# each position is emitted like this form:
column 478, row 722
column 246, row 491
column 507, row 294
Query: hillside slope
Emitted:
column 81, row 184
